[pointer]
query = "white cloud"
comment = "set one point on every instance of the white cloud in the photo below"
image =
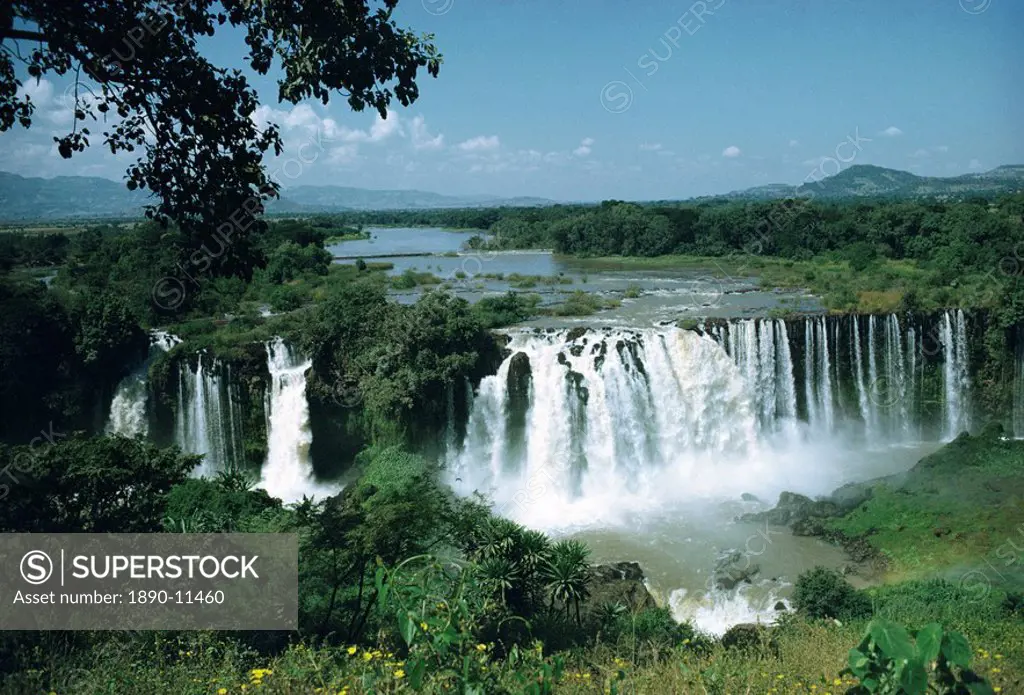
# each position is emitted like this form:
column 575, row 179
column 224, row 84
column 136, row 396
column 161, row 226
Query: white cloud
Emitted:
column 941, row 148
column 919, row 154
column 585, row 147
column 974, row 164
column 891, row 132
column 650, row 146
column 421, row 137
column 731, row 151
column 794, row 143
column 481, row 143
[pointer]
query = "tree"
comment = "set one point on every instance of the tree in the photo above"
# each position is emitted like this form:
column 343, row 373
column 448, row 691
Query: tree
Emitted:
column 568, row 575
column 96, row 485
column 192, row 119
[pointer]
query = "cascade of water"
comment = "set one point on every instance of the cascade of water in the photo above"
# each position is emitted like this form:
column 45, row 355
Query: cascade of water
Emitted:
column 956, row 380
column 760, row 348
column 824, row 391
column 592, row 426
column 288, row 472
column 911, row 388
column 128, row 409
column 810, row 378
column 859, row 378
column 876, row 396
column 895, row 391
column 1018, row 383
column 785, row 387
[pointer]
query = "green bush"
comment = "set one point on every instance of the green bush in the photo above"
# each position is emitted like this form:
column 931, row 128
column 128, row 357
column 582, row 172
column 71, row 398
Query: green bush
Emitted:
column 823, row 593
column 893, row 661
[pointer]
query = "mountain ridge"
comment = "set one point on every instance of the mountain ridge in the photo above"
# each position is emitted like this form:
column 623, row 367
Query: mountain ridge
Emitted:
column 69, row 197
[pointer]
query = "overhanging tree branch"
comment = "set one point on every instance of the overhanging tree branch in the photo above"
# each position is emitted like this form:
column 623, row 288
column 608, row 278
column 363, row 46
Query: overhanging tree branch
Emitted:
column 21, row 34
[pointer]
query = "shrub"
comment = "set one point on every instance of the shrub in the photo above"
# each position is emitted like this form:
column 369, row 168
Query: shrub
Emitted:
column 1013, row 604
column 893, row 661
column 823, row 593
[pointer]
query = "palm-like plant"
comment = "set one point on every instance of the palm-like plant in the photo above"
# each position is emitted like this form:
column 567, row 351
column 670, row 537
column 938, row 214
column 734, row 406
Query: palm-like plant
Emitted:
column 499, row 575
column 498, row 538
column 568, row 574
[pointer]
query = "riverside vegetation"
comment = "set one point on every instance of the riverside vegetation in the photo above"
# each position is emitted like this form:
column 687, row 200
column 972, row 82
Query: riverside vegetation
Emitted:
column 406, row 587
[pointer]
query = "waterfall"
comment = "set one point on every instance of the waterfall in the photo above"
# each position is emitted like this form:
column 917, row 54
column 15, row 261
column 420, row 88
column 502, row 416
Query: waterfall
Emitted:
column 896, row 396
column 824, row 390
column 1018, row 383
column 818, row 376
column 866, row 412
column 288, row 471
column 129, row 408
column 956, row 380
column 208, row 419
column 761, row 351
column 608, row 412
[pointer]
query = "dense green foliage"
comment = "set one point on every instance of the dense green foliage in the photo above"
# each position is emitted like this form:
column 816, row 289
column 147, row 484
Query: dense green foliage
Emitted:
column 823, row 593
column 406, row 588
column 192, row 121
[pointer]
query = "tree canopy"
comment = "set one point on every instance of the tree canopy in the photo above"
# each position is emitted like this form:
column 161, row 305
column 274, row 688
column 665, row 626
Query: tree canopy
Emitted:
column 192, row 120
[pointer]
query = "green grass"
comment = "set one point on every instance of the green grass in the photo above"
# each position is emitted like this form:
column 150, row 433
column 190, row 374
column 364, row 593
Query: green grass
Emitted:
column 957, row 510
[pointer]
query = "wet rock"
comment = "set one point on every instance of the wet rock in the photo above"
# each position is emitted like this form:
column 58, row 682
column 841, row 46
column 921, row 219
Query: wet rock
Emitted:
column 732, row 569
column 576, row 350
column 619, row 582
column 780, row 606
column 575, row 334
column 519, row 376
column 576, row 382
column 851, row 496
column 747, row 497
column 793, row 507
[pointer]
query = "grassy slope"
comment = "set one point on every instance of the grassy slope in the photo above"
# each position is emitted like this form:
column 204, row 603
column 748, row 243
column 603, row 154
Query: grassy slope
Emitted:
column 958, row 511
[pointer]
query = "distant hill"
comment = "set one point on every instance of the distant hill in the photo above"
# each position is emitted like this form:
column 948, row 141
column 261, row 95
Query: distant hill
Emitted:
column 329, row 198
column 83, row 197
column 867, row 181
column 66, row 197
column 74, row 197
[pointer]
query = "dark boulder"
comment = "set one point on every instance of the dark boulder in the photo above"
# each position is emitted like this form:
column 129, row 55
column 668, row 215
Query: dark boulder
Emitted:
column 619, row 583
column 749, row 637
column 733, row 568
column 575, row 334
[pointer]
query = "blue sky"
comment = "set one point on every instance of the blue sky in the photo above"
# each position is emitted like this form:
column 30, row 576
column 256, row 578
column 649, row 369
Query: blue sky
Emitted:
column 596, row 99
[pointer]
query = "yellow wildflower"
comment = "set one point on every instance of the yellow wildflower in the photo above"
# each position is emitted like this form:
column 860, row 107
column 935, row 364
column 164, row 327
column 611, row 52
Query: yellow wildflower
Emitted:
column 222, row 691
column 367, row 656
column 481, row 647
column 399, row 673
column 423, row 626
column 352, row 650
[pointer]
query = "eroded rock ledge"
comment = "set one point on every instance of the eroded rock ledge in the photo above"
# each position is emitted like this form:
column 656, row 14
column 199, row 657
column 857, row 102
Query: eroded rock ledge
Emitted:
column 620, row 582
column 808, row 517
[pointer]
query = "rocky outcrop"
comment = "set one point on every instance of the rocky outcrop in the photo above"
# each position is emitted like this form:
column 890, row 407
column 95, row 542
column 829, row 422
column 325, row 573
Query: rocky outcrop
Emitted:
column 619, row 583
column 733, row 568
column 793, row 508
column 807, row 517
